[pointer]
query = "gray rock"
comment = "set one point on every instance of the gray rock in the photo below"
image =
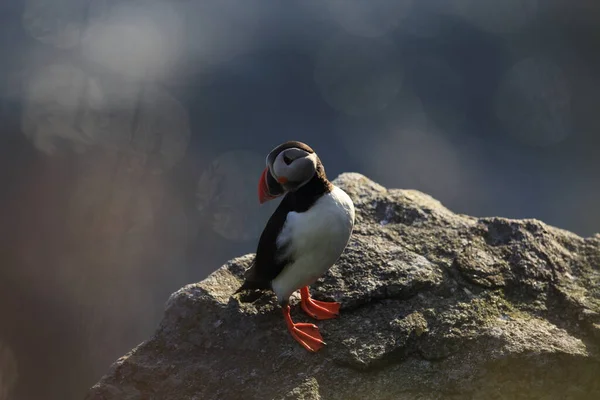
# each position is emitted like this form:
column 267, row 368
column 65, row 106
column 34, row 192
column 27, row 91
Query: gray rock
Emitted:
column 435, row 305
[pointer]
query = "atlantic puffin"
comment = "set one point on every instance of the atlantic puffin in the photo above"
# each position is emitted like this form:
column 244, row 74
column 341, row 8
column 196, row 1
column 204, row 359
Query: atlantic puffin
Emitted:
column 303, row 238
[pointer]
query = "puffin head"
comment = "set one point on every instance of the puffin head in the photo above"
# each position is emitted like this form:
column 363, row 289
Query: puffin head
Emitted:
column 289, row 166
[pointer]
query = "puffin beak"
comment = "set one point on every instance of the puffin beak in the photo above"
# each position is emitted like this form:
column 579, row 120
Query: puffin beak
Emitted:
column 268, row 187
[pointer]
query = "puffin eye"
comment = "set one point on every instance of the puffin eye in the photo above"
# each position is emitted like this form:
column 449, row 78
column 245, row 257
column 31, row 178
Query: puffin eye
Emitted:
column 287, row 160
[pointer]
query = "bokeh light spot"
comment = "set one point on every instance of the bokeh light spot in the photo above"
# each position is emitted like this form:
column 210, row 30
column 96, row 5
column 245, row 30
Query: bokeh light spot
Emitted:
column 67, row 107
column 139, row 39
column 58, row 23
column 52, row 100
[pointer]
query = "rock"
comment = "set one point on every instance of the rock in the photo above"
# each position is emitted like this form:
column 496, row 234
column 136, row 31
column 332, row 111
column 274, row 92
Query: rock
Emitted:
column 435, row 305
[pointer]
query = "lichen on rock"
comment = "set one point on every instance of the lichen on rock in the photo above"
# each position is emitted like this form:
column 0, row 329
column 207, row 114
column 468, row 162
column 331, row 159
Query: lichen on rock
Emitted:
column 435, row 305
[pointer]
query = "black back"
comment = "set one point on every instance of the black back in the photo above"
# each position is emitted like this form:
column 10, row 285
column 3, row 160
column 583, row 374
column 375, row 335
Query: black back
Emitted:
column 268, row 262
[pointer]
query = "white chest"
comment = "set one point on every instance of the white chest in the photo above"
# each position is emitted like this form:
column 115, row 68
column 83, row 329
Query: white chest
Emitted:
column 316, row 239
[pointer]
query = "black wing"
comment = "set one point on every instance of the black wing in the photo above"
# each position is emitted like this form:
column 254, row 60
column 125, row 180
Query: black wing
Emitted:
column 269, row 261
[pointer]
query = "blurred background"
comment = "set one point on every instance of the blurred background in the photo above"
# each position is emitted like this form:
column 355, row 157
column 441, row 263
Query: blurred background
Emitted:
column 133, row 134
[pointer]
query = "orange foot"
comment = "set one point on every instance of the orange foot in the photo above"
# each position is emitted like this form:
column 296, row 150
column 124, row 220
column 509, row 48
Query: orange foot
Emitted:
column 318, row 309
column 307, row 335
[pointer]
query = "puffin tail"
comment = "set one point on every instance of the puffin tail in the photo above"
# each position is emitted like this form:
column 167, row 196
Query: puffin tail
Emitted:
column 251, row 281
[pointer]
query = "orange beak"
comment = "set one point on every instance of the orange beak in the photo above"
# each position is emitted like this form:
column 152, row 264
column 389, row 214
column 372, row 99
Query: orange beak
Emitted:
column 268, row 187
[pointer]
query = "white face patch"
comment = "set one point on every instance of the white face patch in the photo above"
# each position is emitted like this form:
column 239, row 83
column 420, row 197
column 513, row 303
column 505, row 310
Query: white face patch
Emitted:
column 295, row 166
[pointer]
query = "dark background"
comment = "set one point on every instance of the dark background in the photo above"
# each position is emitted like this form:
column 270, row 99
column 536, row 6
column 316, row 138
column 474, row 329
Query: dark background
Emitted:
column 133, row 134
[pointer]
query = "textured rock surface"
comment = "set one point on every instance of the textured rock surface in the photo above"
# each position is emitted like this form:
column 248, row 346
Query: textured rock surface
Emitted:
column 435, row 305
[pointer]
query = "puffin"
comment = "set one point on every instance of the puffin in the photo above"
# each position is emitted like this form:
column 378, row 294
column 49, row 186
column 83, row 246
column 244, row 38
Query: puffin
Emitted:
column 303, row 238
